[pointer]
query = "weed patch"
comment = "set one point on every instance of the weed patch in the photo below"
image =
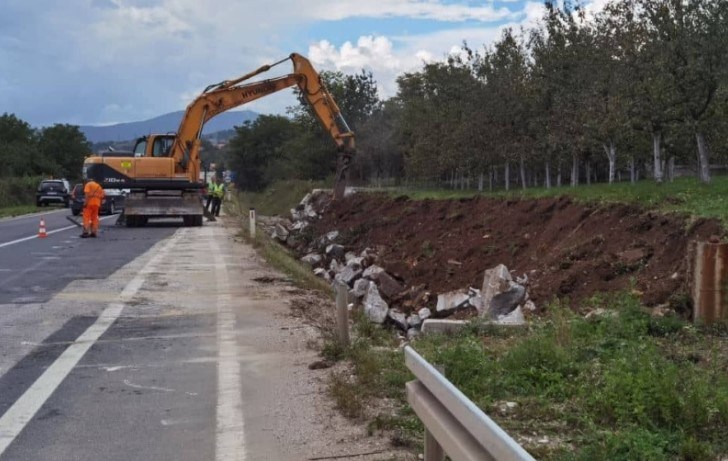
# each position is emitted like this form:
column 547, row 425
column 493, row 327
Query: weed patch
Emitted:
column 622, row 385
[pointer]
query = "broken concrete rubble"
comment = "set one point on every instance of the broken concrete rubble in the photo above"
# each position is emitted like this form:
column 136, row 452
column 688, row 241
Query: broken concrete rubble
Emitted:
column 398, row 318
column 372, row 272
column 424, row 313
column 495, row 281
column 332, row 236
column 388, row 285
column 452, row 301
column 360, row 288
column 375, row 308
column 506, row 301
column 414, row 321
column 312, row 259
column 323, row 273
column 514, row 317
column 335, row 251
column 349, row 274
column 280, row 233
column 501, row 299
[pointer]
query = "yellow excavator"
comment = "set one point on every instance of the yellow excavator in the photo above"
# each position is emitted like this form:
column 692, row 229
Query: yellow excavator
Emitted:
column 163, row 177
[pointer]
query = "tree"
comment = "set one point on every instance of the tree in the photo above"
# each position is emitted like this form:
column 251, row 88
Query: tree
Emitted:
column 356, row 97
column 506, row 75
column 19, row 155
column 379, row 157
column 692, row 37
column 257, row 149
column 65, row 146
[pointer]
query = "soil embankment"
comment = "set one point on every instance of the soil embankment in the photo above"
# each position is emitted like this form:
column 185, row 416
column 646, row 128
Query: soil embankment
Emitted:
column 567, row 249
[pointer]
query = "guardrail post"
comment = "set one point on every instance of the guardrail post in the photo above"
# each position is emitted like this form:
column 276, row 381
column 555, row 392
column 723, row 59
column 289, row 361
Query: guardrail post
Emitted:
column 252, row 223
column 433, row 450
column 342, row 312
column 710, row 278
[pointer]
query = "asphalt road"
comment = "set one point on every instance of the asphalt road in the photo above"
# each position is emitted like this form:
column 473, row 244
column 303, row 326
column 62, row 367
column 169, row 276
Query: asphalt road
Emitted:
column 33, row 270
column 52, row 290
column 155, row 343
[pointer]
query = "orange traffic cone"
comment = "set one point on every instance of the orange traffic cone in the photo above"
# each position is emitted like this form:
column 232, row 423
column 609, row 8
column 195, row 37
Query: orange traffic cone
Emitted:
column 42, row 230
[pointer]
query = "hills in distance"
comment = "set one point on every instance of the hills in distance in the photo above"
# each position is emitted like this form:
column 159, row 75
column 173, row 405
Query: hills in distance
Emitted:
column 167, row 123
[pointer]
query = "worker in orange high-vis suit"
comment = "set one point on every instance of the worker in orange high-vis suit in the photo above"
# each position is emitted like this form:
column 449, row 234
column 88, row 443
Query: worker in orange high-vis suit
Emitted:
column 94, row 195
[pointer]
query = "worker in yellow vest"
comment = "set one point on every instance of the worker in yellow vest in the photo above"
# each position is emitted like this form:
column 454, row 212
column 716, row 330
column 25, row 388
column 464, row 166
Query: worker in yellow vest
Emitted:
column 217, row 192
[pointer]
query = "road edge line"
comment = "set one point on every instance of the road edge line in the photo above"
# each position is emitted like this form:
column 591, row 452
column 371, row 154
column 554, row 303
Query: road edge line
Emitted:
column 17, row 417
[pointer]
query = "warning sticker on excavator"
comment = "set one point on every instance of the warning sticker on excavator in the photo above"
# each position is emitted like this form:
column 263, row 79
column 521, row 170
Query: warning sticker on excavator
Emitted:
column 126, row 164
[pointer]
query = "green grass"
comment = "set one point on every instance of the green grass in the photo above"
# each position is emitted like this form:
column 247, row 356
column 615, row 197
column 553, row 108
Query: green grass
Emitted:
column 280, row 197
column 685, row 195
column 377, row 372
column 276, row 255
column 18, row 210
column 625, row 387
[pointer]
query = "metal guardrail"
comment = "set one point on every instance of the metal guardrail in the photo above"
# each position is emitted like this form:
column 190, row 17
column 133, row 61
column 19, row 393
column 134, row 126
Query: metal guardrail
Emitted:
column 454, row 425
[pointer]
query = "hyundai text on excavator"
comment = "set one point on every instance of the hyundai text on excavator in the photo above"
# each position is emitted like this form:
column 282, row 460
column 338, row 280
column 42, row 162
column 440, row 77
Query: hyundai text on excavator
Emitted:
column 163, row 175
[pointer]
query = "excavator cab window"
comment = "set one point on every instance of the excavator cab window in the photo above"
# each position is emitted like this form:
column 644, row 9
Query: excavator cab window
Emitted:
column 162, row 146
column 140, row 148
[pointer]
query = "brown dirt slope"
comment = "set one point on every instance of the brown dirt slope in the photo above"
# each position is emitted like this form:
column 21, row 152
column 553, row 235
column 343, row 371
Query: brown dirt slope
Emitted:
column 568, row 250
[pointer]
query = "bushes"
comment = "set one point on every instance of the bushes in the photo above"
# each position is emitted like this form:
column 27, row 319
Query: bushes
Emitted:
column 18, row 191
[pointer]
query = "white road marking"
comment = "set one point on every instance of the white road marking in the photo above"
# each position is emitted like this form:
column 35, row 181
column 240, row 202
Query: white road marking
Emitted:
column 120, row 367
column 55, row 231
column 175, row 422
column 21, row 413
column 30, row 215
column 151, row 388
column 230, row 434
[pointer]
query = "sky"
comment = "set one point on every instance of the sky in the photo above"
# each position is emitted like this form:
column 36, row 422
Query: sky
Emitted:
column 98, row 62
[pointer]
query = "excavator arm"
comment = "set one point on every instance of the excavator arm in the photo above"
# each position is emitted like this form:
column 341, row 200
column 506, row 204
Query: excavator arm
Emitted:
column 226, row 95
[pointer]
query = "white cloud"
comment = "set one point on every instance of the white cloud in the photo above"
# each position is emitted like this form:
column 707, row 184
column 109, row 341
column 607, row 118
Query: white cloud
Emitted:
column 386, row 61
column 95, row 61
column 409, row 9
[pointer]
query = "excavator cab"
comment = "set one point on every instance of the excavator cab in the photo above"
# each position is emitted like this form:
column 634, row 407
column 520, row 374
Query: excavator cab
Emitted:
column 159, row 145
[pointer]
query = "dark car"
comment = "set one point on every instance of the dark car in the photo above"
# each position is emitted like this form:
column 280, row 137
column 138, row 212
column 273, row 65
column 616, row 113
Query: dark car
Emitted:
column 53, row 191
column 113, row 201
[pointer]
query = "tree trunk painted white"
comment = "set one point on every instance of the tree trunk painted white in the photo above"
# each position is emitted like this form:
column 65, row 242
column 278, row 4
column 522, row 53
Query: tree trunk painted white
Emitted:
column 507, row 176
column 480, row 182
column 657, row 155
column 703, row 158
column 588, row 172
column 558, row 173
column 611, row 150
column 522, row 167
column 548, row 175
column 632, row 178
column 671, row 168
column 574, row 171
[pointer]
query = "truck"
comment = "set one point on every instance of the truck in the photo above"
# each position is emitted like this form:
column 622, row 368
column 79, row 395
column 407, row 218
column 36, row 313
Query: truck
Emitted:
column 163, row 175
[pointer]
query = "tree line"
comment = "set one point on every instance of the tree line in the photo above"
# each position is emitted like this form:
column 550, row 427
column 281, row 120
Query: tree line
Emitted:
column 56, row 151
column 625, row 93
